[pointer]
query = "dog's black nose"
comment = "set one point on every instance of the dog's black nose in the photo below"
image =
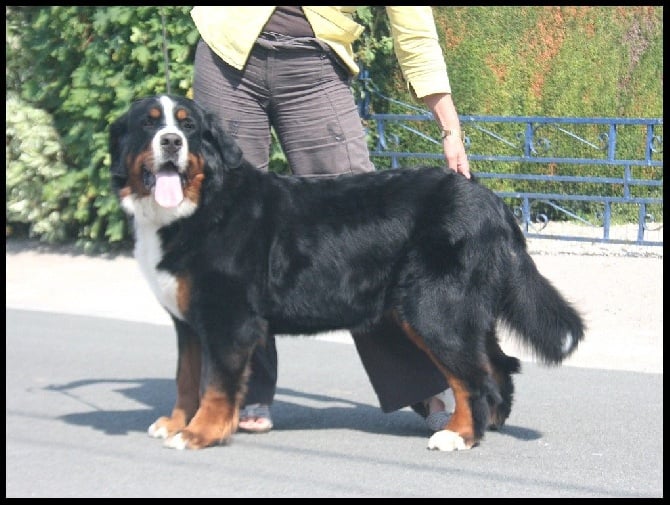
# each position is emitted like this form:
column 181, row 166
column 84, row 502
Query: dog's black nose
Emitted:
column 171, row 142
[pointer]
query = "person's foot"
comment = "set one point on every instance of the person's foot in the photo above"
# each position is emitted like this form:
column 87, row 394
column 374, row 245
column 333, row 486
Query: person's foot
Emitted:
column 436, row 410
column 255, row 418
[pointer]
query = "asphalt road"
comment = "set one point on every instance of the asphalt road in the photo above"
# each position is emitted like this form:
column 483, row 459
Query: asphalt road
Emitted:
column 91, row 360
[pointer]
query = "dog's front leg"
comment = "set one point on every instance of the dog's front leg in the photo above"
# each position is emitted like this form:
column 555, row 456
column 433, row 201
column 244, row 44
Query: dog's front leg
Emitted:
column 213, row 424
column 225, row 370
column 189, row 368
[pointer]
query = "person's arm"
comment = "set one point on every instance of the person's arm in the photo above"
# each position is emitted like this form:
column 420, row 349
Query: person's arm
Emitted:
column 444, row 111
column 420, row 57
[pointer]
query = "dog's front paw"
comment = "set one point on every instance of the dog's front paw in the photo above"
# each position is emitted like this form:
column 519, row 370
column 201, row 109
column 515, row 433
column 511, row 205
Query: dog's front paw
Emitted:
column 189, row 440
column 213, row 424
column 176, row 442
column 158, row 431
column 446, row 440
column 165, row 427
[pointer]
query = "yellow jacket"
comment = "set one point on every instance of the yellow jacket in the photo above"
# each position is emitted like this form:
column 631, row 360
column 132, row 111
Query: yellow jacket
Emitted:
column 232, row 31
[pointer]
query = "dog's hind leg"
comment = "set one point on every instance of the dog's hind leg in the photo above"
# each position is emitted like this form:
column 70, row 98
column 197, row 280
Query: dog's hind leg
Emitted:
column 468, row 375
column 188, row 384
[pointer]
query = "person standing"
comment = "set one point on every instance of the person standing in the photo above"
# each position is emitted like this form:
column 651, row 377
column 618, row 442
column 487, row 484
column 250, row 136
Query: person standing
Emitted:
column 290, row 68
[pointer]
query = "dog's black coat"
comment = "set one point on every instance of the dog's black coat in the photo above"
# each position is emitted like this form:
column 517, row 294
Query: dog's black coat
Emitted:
column 257, row 253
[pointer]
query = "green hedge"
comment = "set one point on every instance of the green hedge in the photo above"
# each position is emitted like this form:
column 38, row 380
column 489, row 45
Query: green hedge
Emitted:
column 71, row 70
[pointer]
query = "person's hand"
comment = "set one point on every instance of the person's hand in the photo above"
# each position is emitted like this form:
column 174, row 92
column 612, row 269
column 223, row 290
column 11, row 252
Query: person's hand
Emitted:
column 444, row 111
column 454, row 153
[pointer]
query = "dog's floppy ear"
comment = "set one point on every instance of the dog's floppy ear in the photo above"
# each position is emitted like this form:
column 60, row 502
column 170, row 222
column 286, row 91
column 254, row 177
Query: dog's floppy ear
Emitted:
column 118, row 138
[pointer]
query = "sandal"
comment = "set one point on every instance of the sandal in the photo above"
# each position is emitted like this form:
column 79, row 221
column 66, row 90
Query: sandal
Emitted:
column 255, row 418
column 436, row 421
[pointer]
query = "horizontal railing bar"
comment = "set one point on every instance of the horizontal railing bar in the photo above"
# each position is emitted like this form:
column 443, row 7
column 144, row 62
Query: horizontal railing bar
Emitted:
column 523, row 119
column 577, row 198
column 522, row 159
column 571, row 238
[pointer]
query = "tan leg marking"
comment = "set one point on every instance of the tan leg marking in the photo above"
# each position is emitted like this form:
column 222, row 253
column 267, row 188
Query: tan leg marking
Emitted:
column 461, row 421
column 184, row 288
column 188, row 393
column 213, row 424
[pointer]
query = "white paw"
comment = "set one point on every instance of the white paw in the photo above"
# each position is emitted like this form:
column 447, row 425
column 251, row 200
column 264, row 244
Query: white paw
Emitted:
column 446, row 440
column 176, row 442
column 156, row 432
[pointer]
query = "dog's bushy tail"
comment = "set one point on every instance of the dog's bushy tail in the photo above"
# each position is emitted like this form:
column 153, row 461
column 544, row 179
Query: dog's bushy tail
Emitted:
column 539, row 314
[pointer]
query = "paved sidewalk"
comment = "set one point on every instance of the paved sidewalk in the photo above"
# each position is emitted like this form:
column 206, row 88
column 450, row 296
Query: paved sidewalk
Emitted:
column 618, row 290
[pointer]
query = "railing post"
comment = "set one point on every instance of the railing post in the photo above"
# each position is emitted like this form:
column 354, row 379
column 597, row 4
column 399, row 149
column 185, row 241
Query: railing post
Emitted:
column 607, row 218
column 364, row 102
column 611, row 143
column 641, row 222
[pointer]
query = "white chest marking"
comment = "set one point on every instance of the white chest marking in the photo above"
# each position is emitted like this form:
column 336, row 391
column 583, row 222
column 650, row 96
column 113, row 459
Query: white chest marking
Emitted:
column 149, row 218
column 148, row 254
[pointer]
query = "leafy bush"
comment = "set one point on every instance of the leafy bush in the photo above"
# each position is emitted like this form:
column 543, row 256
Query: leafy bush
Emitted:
column 34, row 177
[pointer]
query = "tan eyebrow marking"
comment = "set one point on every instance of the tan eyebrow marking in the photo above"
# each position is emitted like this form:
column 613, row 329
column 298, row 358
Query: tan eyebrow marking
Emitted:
column 181, row 114
column 155, row 112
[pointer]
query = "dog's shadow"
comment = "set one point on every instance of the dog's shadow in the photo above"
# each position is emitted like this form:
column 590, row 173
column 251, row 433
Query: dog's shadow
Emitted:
column 289, row 412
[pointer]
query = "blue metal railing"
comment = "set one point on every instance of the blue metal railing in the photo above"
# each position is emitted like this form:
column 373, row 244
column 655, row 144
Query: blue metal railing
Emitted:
column 533, row 146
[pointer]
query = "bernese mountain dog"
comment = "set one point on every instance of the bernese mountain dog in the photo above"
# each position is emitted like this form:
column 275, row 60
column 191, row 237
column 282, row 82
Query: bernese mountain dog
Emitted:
column 235, row 254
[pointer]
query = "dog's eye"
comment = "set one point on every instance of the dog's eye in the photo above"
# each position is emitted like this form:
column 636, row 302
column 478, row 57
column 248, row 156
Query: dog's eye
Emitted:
column 187, row 123
column 148, row 122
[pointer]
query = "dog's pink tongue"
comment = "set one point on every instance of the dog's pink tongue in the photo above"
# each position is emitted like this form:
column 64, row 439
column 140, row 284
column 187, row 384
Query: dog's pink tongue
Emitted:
column 168, row 191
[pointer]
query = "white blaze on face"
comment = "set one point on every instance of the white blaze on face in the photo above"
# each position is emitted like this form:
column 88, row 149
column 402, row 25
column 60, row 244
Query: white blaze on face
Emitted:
column 170, row 127
column 168, row 191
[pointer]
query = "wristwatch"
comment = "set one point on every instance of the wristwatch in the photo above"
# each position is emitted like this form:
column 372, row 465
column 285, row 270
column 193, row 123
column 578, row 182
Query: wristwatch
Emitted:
column 453, row 131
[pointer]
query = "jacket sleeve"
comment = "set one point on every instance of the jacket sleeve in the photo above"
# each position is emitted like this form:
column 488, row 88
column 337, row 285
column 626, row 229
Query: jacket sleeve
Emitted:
column 418, row 50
